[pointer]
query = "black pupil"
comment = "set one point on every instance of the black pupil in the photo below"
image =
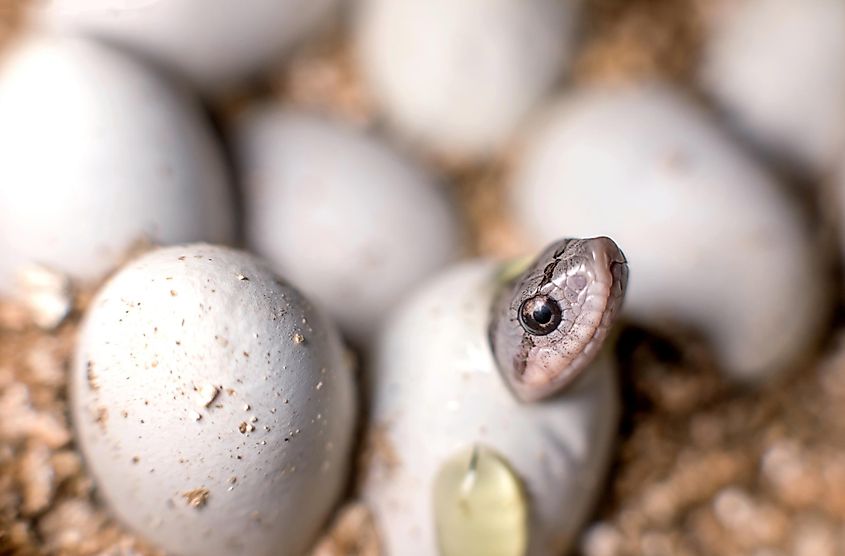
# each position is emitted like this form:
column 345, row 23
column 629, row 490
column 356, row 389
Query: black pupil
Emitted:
column 540, row 315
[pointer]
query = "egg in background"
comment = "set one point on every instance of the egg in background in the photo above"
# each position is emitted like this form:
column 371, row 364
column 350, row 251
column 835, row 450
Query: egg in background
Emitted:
column 349, row 220
column 459, row 77
column 99, row 154
column 777, row 69
column 713, row 240
column 214, row 44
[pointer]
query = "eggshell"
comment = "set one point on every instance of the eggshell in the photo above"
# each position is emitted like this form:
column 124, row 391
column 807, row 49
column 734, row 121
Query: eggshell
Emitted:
column 213, row 404
column 215, row 45
column 460, row 76
column 778, row 68
column 712, row 241
column 351, row 222
column 98, row 153
column 436, row 391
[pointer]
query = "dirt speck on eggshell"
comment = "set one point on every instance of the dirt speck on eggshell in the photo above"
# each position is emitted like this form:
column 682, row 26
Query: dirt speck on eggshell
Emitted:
column 197, row 497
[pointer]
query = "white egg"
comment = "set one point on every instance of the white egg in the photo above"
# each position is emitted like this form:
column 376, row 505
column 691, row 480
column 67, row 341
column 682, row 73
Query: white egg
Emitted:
column 437, row 393
column 351, row 222
column 461, row 76
column 213, row 44
column 712, row 241
column 778, row 68
column 214, row 406
column 99, row 154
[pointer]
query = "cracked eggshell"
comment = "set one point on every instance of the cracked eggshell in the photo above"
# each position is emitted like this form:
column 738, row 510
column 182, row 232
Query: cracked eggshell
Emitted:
column 461, row 76
column 349, row 221
column 437, row 391
column 778, row 68
column 712, row 240
column 213, row 45
column 99, row 153
column 213, row 404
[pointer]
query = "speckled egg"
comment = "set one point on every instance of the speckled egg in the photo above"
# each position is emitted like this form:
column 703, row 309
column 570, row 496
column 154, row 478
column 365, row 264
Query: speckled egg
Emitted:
column 351, row 222
column 447, row 430
column 712, row 241
column 214, row 45
column 459, row 77
column 213, row 404
column 99, row 154
column 778, row 69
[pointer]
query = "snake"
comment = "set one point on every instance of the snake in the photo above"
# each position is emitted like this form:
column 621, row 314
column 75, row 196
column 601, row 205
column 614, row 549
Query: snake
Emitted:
column 549, row 322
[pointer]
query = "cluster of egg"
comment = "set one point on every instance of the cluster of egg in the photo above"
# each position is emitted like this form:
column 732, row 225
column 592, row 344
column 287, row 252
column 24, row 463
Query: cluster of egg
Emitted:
column 212, row 395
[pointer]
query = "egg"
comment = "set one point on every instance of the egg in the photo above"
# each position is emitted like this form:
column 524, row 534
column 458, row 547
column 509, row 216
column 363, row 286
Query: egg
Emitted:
column 215, row 46
column 459, row 77
column 712, row 241
column 347, row 219
column 448, row 433
column 776, row 67
column 99, row 154
column 213, row 404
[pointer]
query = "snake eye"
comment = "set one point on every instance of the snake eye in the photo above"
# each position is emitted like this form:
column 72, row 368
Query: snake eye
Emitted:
column 539, row 315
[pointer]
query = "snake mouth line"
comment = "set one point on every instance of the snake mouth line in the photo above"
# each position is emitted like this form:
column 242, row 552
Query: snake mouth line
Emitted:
column 610, row 272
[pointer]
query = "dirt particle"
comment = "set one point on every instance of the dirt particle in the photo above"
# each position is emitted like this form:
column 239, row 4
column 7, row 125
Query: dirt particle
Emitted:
column 173, row 293
column 245, row 427
column 196, row 498
column 242, row 278
column 37, row 479
column 91, row 376
column 379, row 450
column 298, row 338
column 46, row 294
column 353, row 532
column 101, row 417
column 205, row 394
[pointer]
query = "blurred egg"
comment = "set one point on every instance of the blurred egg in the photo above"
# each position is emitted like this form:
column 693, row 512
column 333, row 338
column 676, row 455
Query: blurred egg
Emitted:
column 460, row 76
column 458, row 464
column 213, row 404
column 214, row 44
column 778, row 68
column 712, row 241
column 349, row 221
column 99, row 154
